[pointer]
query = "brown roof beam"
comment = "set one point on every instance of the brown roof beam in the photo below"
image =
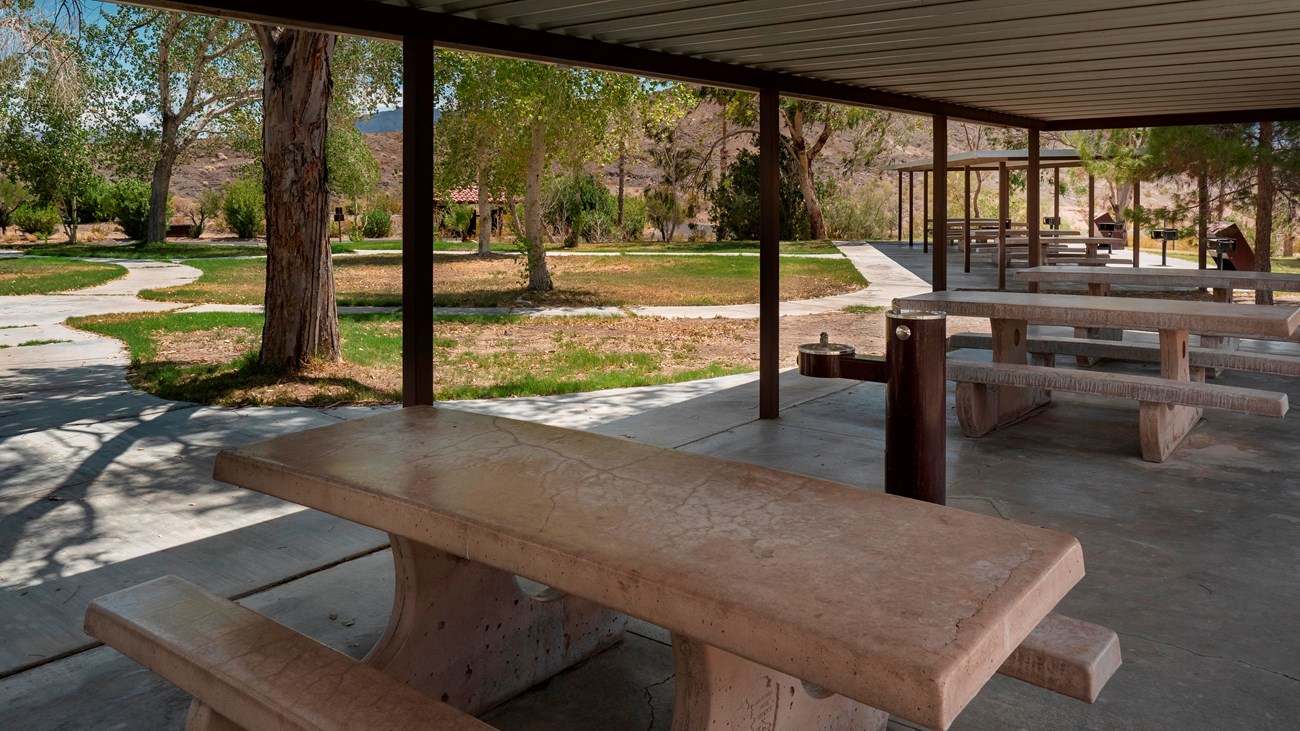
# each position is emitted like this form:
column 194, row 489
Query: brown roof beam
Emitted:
column 1243, row 116
column 391, row 22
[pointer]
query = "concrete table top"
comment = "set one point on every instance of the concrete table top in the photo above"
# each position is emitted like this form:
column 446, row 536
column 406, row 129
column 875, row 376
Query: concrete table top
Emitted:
column 1134, row 313
column 905, row 606
column 1275, row 281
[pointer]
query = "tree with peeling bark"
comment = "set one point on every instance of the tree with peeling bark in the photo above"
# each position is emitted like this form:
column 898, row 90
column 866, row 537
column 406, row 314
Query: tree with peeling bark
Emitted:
column 301, row 322
column 172, row 79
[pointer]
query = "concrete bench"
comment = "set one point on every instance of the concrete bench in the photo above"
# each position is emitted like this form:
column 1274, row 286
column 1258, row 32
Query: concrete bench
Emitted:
column 1235, row 360
column 980, row 414
column 247, row 671
column 773, row 585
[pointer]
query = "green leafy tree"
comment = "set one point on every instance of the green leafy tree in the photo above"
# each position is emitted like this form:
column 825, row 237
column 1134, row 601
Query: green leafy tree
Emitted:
column 479, row 138
column 506, row 122
column 47, row 146
column 352, row 170
column 12, row 197
column 171, row 79
column 734, row 202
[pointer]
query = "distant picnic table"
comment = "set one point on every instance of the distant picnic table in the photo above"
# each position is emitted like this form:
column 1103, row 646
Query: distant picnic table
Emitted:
column 990, row 396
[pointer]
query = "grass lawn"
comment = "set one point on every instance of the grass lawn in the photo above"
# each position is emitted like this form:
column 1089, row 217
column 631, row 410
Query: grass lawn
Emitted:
column 498, row 281
column 680, row 247
column 209, row 357
column 160, row 251
column 46, row 275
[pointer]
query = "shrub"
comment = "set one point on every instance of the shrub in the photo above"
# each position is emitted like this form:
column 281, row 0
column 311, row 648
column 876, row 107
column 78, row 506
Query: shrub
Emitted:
column 735, row 200
column 39, row 221
column 576, row 207
column 634, row 218
column 131, row 207
column 95, row 201
column 244, row 208
column 858, row 212
column 376, row 224
column 207, row 207
column 457, row 219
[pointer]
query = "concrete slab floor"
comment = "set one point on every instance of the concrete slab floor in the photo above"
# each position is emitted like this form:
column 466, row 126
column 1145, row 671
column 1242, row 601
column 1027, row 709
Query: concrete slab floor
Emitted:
column 1195, row 562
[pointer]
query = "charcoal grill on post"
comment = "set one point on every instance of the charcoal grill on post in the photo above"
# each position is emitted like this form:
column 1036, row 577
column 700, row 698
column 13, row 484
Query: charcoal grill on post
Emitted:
column 912, row 370
column 1164, row 236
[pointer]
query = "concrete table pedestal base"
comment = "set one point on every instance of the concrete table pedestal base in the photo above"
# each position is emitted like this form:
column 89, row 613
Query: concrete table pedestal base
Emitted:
column 717, row 690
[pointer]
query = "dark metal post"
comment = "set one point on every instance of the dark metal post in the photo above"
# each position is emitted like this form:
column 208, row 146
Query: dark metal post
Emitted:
column 417, row 222
column 1056, row 195
column 965, row 231
column 1092, row 207
column 916, row 405
column 925, row 211
column 900, row 205
column 1004, row 212
column 1137, row 230
column 911, row 208
column 1033, row 214
column 939, row 263
column 769, row 253
column 1202, row 219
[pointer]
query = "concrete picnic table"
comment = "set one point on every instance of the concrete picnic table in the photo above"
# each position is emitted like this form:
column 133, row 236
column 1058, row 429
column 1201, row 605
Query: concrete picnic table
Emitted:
column 1223, row 282
column 767, row 577
column 1162, row 426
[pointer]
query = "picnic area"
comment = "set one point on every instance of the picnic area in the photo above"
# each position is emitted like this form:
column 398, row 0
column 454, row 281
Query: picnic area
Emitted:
column 489, row 428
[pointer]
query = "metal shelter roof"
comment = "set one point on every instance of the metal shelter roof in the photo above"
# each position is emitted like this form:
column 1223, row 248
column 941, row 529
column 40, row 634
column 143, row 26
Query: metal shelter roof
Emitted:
column 991, row 159
column 1028, row 63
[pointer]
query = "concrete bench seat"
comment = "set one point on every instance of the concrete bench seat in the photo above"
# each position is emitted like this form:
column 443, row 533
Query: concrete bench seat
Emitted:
column 245, row 670
column 1217, row 358
column 1168, row 408
column 1147, row 389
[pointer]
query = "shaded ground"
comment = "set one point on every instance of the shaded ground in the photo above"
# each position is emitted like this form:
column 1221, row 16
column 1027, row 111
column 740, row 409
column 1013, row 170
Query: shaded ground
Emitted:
column 499, row 281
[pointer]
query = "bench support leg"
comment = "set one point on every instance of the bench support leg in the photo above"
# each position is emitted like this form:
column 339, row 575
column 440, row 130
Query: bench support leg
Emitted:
column 1096, row 289
column 982, row 408
column 716, row 690
column 1163, row 427
column 468, row 634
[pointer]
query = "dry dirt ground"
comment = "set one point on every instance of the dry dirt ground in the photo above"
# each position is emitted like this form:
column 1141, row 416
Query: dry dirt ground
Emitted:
column 475, row 355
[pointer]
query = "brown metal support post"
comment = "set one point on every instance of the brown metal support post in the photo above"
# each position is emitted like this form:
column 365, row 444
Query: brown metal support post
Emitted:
column 769, row 253
column 1004, row 212
column 900, row 205
column 911, row 208
column 1137, row 230
column 1202, row 220
column 965, row 231
column 417, row 223
column 915, row 405
column 939, row 261
column 1092, row 205
column 925, row 211
column 1056, row 195
column 1033, row 214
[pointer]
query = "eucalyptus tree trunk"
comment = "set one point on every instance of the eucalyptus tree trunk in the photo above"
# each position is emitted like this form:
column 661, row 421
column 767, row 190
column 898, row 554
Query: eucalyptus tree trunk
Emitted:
column 539, row 277
column 301, row 318
column 1264, row 209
